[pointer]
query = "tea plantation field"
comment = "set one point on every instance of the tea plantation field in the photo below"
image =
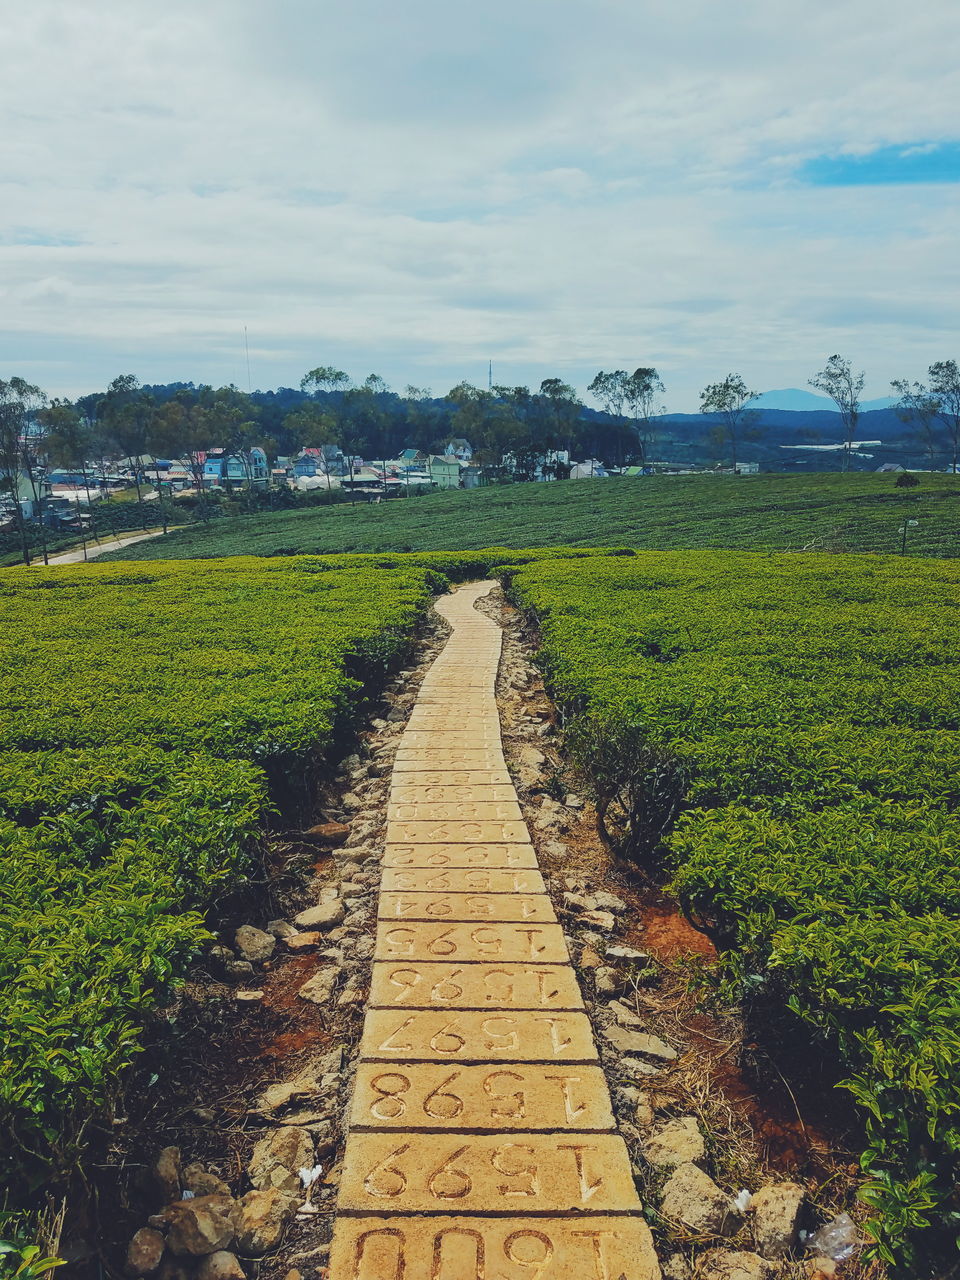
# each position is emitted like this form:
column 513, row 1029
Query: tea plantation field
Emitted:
column 798, row 716
column 144, row 711
column 861, row 512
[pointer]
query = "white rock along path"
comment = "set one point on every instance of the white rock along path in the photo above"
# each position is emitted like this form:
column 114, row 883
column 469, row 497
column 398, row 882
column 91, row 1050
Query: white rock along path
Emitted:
column 481, row 1141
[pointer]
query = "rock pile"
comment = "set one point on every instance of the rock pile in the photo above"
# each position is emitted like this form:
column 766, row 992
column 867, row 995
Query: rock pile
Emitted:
column 199, row 1233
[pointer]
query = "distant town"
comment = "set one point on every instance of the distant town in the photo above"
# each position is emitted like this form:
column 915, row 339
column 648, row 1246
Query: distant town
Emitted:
column 91, row 464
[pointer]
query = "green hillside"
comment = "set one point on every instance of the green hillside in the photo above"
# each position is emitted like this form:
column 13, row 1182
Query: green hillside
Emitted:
column 828, row 512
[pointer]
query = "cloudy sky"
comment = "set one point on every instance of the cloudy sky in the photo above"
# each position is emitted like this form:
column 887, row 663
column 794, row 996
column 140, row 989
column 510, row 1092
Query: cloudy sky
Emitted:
column 413, row 187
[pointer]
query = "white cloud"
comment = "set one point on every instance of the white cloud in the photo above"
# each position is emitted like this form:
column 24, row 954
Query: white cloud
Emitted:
column 562, row 185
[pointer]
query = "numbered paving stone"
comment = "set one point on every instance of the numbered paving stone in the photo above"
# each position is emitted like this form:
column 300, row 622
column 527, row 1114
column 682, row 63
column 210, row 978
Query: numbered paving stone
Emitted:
column 514, row 1096
column 469, row 667
column 417, row 759
column 454, row 713
column 433, row 985
column 457, row 833
column 452, row 793
column 464, row 677
column 468, row 681
column 448, row 1248
column 464, row 739
column 466, row 666
column 476, row 710
column 421, row 1035
column 466, row 906
column 458, row 692
column 448, row 725
column 465, row 942
column 465, row 856
column 530, row 1172
column 430, row 695
column 468, row 880
column 482, row 779
column 459, row 720
column 482, row 636
column 475, row 704
column 454, row 810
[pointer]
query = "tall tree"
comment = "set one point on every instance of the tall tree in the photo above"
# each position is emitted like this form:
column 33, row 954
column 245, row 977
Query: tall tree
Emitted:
column 68, row 445
column 562, row 417
column 21, row 451
column 838, row 381
column 610, row 392
column 232, row 423
column 126, row 412
column 945, row 385
column 89, row 408
column 183, row 428
column 921, row 409
column 729, row 399
column 642, row 391
column 310, row 426
column 422, row 416
column 495, row 422
column 325, row 378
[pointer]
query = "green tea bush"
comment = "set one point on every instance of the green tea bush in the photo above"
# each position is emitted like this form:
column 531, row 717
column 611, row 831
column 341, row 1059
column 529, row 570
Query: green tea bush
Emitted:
column 243, row 658
column 100, row 909
column 812, row 704
column 143, row 711
column 853, row 512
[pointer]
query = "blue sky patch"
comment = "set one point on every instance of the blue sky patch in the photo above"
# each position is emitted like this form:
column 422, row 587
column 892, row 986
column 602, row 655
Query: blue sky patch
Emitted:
column 915, row 162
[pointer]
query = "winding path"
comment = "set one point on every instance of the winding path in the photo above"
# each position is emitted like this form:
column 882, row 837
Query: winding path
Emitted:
column 482, row 1145
column 95, row 549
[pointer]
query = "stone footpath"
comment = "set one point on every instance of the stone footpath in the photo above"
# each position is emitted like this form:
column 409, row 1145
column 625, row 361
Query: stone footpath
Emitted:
column 482, row 1145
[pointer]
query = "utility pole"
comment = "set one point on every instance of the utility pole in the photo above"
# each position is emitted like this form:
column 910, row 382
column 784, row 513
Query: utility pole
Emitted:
column 907, row 524
column 490, row 376
column 83, row 532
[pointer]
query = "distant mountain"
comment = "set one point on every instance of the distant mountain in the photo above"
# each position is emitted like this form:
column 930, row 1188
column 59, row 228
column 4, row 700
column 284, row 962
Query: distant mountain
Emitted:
column 796, row 401
column 685, row 438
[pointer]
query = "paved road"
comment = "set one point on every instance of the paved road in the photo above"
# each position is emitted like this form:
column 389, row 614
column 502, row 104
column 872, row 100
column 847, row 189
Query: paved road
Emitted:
column 98, row 548
column 481, row 1140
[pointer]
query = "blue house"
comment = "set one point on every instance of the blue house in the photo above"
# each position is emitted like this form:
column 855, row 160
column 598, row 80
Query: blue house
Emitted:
column 223, row 470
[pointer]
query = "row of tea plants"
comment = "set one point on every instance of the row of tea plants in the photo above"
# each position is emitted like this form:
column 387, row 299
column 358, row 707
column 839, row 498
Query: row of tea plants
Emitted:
column 149, row 717
column 785, row 728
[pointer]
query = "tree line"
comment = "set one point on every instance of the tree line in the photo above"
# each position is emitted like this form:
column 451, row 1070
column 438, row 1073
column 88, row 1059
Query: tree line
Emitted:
column 511, row 429
column 515, row 433
column 932, row 409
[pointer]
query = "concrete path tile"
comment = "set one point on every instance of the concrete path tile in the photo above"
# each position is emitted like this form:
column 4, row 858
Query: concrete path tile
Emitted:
column 462, row 738
column 461, row 880
column 487, row 856
column 487, row 1097
column 450, row 1035
column 464, row 943
column 448, row 1248
column 466, row 906
column 454, row 759
column 442, row 720
column 529, row 1173
column 452, row 793
column 480, row 778
column 399, row 984
column 460, row 810
column 457, row 833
